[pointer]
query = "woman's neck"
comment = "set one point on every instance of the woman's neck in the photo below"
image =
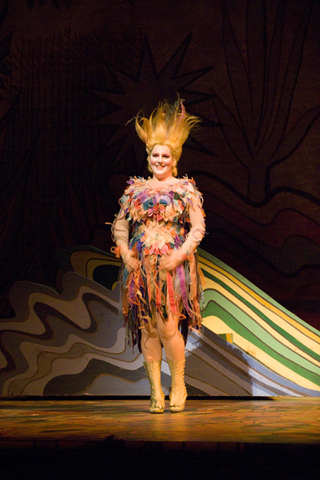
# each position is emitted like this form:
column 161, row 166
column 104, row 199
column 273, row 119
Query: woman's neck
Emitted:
column 162, row 181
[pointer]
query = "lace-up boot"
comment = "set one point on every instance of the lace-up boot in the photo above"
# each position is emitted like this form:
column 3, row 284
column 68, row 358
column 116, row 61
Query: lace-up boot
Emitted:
column 178, row 393
column 153, row 370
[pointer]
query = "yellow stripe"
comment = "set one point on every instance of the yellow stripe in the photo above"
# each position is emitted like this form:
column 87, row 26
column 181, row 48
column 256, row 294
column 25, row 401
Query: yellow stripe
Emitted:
column 263, row 323
column 215, row 324
column 85, row 263
column 304, row 330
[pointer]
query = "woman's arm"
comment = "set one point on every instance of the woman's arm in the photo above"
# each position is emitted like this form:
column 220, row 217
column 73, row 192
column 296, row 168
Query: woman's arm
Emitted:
column 120, row 231
column 194, row 237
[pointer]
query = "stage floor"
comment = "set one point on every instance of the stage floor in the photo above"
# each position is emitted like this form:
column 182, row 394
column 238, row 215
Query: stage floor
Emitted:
column 242, row 429
column 65, row 423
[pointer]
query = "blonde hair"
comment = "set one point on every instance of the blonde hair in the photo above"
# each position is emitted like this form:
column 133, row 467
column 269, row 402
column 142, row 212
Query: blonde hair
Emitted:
column 167, row 125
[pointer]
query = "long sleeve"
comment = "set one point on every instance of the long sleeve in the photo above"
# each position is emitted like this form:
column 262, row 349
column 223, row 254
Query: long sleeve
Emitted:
column 197, row 223
column 120, row 230
column 197, row 230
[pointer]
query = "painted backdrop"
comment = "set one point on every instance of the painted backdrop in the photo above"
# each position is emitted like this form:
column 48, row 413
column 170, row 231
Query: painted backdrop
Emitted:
column 73, row 73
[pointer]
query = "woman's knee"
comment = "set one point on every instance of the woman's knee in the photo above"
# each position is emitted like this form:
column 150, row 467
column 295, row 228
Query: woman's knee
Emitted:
column 167, row 330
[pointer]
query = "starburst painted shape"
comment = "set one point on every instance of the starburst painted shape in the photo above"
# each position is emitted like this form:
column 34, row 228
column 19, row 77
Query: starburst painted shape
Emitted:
column 131, row 94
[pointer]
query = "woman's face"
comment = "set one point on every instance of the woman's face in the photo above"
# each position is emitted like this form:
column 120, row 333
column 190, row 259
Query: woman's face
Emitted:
column 161, row 162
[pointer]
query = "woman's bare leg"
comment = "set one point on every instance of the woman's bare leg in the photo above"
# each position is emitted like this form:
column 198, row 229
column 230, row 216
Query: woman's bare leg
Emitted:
column 171, row 338
column 151, row 344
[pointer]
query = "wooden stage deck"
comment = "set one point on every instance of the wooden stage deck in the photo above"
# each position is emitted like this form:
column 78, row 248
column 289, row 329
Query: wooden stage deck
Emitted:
column 119, row 438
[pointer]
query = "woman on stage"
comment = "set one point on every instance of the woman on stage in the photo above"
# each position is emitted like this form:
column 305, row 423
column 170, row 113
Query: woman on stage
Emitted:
column 157, row 231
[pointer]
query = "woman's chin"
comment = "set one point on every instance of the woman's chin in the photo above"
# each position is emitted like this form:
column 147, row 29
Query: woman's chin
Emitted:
column 161, row 174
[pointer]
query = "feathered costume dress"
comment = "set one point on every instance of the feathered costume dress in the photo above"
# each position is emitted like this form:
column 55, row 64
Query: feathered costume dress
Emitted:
column 154, row 221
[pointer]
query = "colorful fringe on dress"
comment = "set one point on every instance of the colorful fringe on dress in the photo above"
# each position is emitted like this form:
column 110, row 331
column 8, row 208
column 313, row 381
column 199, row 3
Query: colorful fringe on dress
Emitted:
column 159, row 220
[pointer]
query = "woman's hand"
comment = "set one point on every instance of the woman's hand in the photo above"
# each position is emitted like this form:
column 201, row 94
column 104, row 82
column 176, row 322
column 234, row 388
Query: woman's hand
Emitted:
column 129, row 259
column 172, row 260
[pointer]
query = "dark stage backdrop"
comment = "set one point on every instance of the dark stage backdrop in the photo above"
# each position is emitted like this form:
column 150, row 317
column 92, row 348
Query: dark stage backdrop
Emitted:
column 73, row 72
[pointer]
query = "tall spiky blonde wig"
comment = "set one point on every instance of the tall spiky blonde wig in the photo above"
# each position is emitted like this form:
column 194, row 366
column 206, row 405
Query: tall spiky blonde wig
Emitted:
column 168, row 125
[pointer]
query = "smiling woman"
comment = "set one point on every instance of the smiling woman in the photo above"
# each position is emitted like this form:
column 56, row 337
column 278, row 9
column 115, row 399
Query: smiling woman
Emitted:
column 161, row 162
column 157, row 231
